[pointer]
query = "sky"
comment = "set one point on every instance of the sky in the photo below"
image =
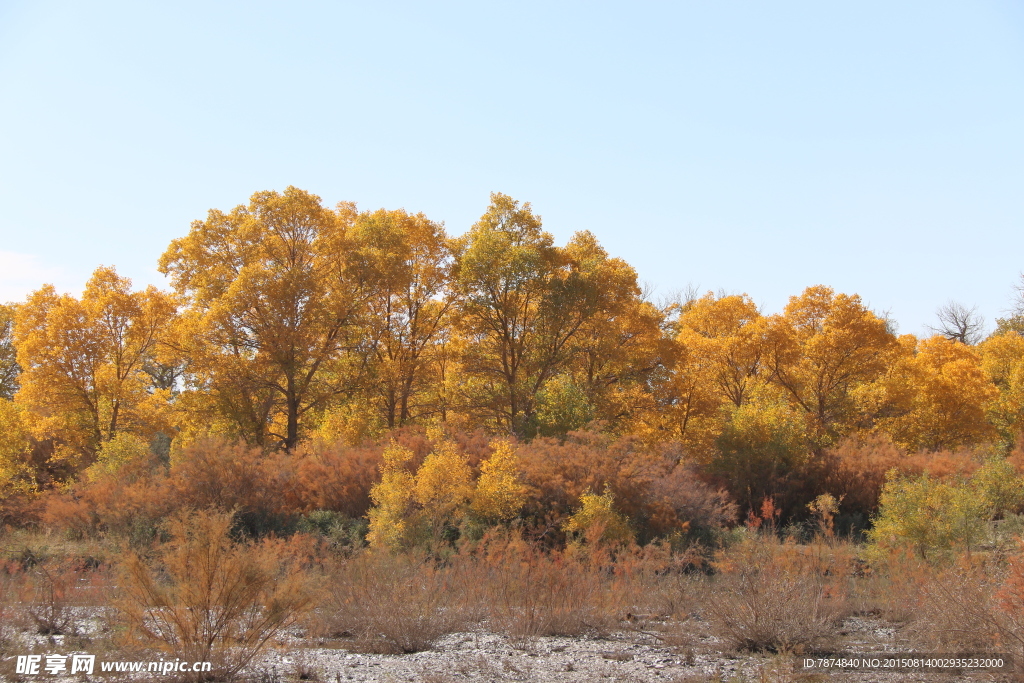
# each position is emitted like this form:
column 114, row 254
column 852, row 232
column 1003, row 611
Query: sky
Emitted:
column 757, row 147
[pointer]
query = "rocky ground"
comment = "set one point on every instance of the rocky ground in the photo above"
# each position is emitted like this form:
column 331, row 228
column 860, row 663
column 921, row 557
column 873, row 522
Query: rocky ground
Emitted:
column 676, row 655
column 648, row 651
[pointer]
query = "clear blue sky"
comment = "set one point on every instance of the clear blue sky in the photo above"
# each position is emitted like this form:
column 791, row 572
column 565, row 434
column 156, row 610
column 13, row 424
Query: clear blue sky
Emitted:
column 759, row 147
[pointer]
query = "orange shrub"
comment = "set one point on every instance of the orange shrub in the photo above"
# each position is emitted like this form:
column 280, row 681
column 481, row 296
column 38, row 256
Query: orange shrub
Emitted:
column 652, row 487
column 130, row 503
column 855, row 469
column 334, row 477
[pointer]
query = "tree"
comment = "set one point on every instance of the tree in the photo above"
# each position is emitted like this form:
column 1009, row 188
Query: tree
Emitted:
column 1002, row 360
column 959, row 323
column 392, row 498
column 761, row 448
column 727, row 335
column 1015, row 320
column 499, row 494
column 932, row 514
column 927, row 514
column 15, row 471
column 523, row 305
column 409, row 307
column 83, row 360
column 820, row 349
column 936, row 397
column 9, row 368
column 413, row 509
column 275, row 299
column 618, row 355
column 598, row 521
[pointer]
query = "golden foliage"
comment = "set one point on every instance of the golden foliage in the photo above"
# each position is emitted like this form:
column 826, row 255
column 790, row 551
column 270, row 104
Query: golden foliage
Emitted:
column 8, row 354
column 274, row 303
column 597, row 521
column 443, row 487
column 499, row 494
column 1002, row 360
column 84, row 363
column 725, row 337
column 15, row 471
column 118, row 452
column 820, row 349
column 936, row 397
column 392, row 500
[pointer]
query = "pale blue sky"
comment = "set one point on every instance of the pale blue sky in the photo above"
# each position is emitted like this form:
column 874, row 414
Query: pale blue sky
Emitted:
column 759, row 147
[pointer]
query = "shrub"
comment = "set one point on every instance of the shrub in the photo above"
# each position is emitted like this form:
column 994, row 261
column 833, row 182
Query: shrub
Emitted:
column 856, row 468
column 530, row 593
column 930, row 514
column 128, row 502
column 205, row 598
column 927, row 514
column 680, row 497
column 215, row 474
column 392, row 500
column 855, row 472
column 338, row 477
column 657, row 492
column 762, row 450
column 339, row 530
column 976, row 604
column 393, row 603
column 958, row 610
column 50, row 596
column 597, row 521
column 778, row 597
column 499, row 495
column 433, row 506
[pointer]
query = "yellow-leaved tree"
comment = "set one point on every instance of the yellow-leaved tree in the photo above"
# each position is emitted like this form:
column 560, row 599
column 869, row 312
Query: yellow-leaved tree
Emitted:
column 430, row 506
column 16, row 473
column 597, row 520
column 820, row 350
column 408, row 261
column 84, row 364
column 720, row 365
column 617, row 355
column 1002, row 360
column 935, row 397
column 444, row 484
column 530, row 311
column 274, row 331
column 392, row 500
column 726, row 337
column 9, row 368
column 499, row 494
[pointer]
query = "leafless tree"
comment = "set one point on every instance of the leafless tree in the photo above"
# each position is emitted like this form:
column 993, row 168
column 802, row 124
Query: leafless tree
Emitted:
column 960, row 323
column 1014, row 322
column 1018, row 298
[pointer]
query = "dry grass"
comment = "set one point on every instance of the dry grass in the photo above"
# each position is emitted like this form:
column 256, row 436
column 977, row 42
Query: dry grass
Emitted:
column 205, row 598
column 532, row 593
column 202, row 596
column 958, row 610
column 892, row 587
column 769, row 596
column 393, row 603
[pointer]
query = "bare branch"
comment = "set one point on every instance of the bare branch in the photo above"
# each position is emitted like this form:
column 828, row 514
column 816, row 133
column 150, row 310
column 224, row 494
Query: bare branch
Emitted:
column 1018, row 298
column 959, row 323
